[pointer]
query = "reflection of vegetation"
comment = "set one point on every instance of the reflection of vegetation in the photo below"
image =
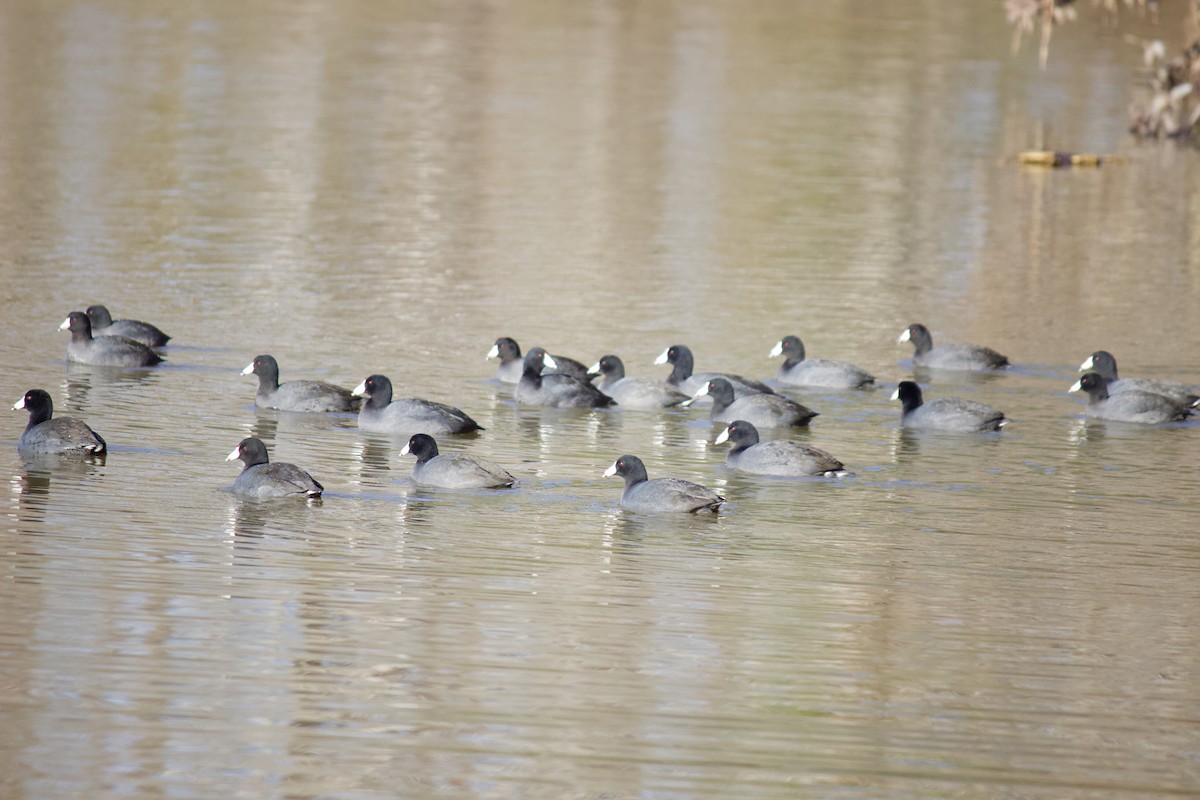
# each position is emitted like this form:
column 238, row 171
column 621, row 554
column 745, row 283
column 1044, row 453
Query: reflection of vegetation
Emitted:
column 1171, row 107
column 1025, row 14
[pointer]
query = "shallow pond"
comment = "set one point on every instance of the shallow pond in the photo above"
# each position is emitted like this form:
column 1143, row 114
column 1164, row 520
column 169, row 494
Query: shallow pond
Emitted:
column 373, row 187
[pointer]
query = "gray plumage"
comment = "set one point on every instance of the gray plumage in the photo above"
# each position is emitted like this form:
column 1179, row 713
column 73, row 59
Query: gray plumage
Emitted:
column 797, row 370
column 762, row 410
column 262, row 479
column 104, row 351
column 645, row 394
column 683, row 377
column 512, row 364
column 777, row 457
column 660, row 494
column 970, row 357
column 104, row 325
column 546, row 388
column 381, row 414
column 1103, row 363
column 49, row 435
column 945, row 414
column 296, row 395
column 1128, row 406
column 453, row 470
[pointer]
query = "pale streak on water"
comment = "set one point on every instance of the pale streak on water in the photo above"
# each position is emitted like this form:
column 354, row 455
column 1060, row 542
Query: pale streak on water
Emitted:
column 374, row 187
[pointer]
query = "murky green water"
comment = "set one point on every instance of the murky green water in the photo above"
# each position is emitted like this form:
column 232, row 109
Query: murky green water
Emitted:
column 374, row 187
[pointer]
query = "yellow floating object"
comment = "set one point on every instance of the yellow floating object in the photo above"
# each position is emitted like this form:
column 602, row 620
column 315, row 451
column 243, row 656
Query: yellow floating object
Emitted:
column 1055, row 158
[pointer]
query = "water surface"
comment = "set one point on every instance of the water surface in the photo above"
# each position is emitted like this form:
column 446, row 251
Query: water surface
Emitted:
column 371, row 187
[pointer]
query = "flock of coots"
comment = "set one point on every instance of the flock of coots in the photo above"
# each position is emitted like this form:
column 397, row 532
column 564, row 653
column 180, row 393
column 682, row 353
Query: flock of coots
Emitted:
column 542, row 379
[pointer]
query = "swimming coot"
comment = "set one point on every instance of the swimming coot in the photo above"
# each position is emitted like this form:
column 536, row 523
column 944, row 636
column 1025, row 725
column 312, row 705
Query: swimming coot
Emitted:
column 682, row 377
column 381, row 414
column 949, row 356
column 453, row 470
column 104, row 325
column 633, row 393
column 538, row 388
column 1105, row 365
column 797, row 370
column 660, row 494
column 763, row 410
column 1128, row 406
column 296, row 395
column 104, row 351
column 512, row 365
column 945, row 414
column 777, row 457
column 58, row 436
column 262, row 479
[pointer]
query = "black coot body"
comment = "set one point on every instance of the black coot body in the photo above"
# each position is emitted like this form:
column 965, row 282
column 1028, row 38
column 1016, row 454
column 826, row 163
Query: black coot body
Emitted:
column 49, row 435
column 660, row 494
column 104, row 325
column 969, row 357
column 762, row 410
column 682, row 377
column 538, row 388
column 296, row 395
column 1128, row 406
column 453, row 470
column 643, row 394
column 797, row 370
column 262, row 479
column 512, row 364
column 381, row 414
column 1103, row 363
column 945, row 414
column 777, row 457
column 104, row 351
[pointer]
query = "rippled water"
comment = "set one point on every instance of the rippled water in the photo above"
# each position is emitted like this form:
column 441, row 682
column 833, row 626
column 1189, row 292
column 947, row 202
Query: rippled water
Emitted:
column 374, row 187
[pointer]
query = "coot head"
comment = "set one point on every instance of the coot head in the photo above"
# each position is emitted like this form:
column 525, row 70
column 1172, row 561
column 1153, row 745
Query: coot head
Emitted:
column 506, row 349
column 909, row 395
column 740, row 432
column 264, row 366
column 39, row 405
column 250, row 451
column 423, row 446
column 377, row 389
column 78, row 324
column 628, row 467
column 609, row 366
column 791, row 346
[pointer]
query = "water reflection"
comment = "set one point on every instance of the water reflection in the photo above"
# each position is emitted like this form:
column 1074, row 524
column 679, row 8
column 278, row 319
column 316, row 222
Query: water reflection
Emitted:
column 31, row 485
column 81, row 378
column 969, row 616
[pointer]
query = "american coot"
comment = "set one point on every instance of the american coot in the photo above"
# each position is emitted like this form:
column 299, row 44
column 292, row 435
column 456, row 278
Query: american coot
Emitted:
column 681, row 377
column 800, row 371
column 104, row 351
column 763, row 410
column 945, row 414
column 296, row 395
column 777, row 457
column 555, row 390
column 381, row 414
column 1128, row 406
column 512, row 365
column 660, row 494
column 949, row 356
column 635, row 393
column 59, row 436
column 453, row 470
column 262, row 479
column 104, row 325
column 1105, row 365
